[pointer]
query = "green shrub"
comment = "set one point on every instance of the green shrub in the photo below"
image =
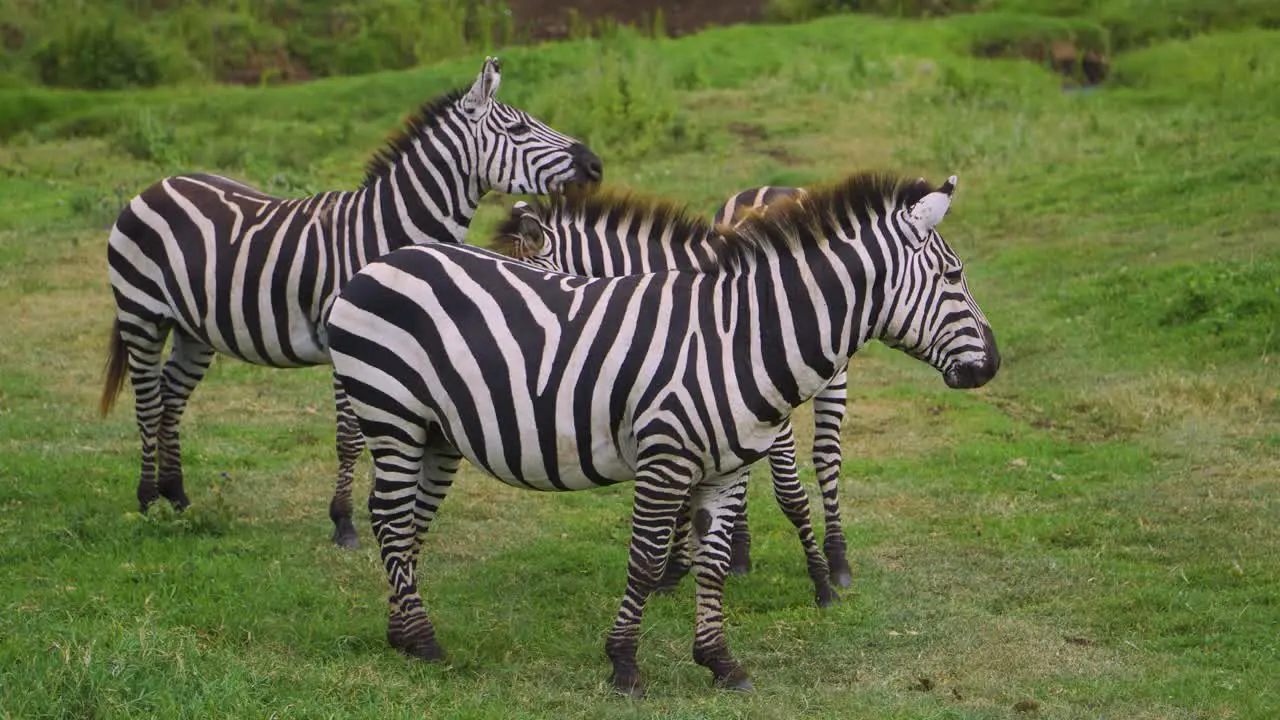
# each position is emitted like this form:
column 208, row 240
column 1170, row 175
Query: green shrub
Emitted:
column 150, row 139
column 361, row 37
column 108, row 53
column 231, row 45
column 623, row 102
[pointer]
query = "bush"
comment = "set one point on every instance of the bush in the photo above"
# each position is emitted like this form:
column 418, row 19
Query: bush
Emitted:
column 232, row 46
column 624, row 104
column 106, row 54
column 361, row 37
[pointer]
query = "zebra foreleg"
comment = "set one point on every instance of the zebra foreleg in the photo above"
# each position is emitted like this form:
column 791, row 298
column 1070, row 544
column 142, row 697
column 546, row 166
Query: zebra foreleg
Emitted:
column 409, row 485
column 828, row 415
column 662, row 489
column 794, row 501
column 740, row 544
column 350, row 444
column 185, row 368
column 715, row 504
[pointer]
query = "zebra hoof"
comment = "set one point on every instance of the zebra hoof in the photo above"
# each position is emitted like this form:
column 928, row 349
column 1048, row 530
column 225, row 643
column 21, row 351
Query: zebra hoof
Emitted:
column 828, row 598
column 629, row 685
column 344, row 535
column 420, row 645
column 842, row 577
column 425, row 651
column 736, row 681
column 740, row 567
column 171, row 489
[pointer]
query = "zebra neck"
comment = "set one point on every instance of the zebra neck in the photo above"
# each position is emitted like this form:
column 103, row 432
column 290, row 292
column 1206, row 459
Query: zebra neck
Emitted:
column 429, row 194
column 804, row 315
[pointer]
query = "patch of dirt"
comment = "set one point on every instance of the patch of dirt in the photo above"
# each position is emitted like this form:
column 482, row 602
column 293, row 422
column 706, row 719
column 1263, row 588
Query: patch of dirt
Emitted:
column 274, row 67
column 554, row 19
column 755, row 139
column 1086, row 67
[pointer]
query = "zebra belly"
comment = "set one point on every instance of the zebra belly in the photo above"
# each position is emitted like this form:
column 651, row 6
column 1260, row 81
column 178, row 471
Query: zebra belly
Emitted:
column 565, row 471
column 305, row 348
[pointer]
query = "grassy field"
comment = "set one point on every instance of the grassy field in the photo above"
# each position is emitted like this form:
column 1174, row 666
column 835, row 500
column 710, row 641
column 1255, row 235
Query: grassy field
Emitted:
column 1094, row 534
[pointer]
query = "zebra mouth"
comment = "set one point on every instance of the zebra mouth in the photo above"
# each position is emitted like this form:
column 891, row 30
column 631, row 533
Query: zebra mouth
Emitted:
column 969, row 375
column 588, row 169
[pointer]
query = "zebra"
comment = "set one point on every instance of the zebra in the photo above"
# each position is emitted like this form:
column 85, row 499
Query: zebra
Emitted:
column 228, row 269
column 604, row 246
column 678, row 380
column 557, row 236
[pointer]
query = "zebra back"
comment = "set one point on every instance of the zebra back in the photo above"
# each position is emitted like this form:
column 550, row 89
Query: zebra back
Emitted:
column 737, row 207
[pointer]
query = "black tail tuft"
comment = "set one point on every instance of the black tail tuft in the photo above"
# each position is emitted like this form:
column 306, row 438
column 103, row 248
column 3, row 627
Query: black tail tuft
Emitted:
column 117, row 358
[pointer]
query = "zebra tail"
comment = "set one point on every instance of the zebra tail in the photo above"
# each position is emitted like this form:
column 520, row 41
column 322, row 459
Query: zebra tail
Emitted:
column 117, row 358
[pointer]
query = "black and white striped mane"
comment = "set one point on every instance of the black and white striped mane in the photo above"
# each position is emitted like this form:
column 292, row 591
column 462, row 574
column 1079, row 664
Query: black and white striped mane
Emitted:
column 588, row 206
column 788, row 222
column 821, row 213
column 425, row 117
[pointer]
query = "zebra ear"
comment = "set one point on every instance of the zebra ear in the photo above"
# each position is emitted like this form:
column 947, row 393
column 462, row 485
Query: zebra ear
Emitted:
column 479, row 97
column 531, row 230
column 930, row 209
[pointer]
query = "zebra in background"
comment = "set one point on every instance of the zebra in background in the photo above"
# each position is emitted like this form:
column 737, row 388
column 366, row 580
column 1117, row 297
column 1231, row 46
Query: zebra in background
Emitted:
column 229, row 269
column 828, row 416
column 678, row 380
column 564, row 235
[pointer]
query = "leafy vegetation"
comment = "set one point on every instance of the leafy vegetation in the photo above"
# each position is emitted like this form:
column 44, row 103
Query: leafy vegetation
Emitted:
column 1093, row 534
column 142, row 43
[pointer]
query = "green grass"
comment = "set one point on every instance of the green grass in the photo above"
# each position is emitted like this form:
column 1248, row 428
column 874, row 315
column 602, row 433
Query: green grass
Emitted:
column 1094, row 533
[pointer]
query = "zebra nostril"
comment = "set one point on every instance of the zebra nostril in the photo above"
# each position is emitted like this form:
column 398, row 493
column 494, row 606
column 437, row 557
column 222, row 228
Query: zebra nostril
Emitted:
column 589, row 167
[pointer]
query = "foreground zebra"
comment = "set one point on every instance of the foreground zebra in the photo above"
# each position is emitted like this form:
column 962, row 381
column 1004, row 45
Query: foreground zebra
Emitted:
column 229, row 269
column 564, row 236
column 678, row 380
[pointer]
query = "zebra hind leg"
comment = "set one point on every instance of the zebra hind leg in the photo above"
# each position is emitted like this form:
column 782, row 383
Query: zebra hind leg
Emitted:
column 144, row 342
column 794, row 501
column 715, row 505
column 828, row 415
column 185, row 368
column 681, row 559
column 409, row 485
column 661, row 491
column 350, row 444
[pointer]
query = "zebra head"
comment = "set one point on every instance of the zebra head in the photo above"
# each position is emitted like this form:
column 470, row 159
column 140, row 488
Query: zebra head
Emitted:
column 517, row 153
column 525, row 237
column 934, row 317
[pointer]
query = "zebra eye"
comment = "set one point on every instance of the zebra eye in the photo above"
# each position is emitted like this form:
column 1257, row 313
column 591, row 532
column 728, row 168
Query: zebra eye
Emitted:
column 953, row 276
column 519, row 128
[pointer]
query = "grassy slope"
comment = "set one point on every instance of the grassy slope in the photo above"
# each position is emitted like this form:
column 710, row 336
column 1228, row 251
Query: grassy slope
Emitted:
column 1095, row 532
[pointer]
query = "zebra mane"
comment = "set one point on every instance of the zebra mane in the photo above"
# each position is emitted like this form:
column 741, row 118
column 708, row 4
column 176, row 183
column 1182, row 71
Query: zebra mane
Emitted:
column 589, row 205
column 822, row 213
column 791, row 221
column 426, row 116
